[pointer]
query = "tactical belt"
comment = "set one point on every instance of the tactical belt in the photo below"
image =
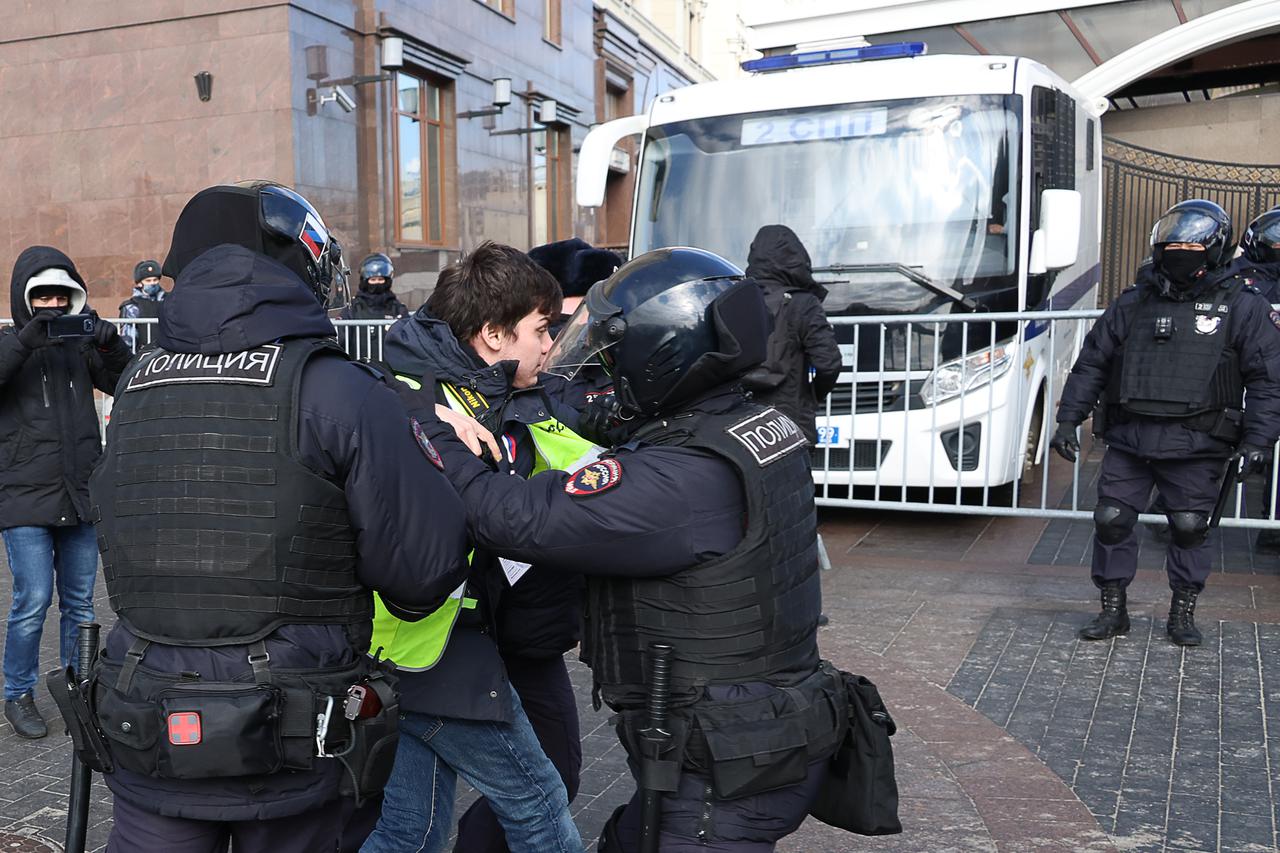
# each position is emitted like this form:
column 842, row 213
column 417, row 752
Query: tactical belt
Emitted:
column 179, row 726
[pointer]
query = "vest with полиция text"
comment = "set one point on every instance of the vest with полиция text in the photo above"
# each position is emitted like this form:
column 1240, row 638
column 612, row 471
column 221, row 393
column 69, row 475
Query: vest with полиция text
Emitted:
column 1177, row 360
column 748, row 615
column 418, row 646
column 212, row 530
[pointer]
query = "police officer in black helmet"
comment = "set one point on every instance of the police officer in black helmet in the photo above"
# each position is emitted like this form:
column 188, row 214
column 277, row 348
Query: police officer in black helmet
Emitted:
column 698, row 531
column 1258, row 264
column 1167, row 367
column 374, row 300
column 256, row 485
column 1259, row 260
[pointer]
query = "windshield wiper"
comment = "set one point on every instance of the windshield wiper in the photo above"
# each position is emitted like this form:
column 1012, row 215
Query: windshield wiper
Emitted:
column 911, row 274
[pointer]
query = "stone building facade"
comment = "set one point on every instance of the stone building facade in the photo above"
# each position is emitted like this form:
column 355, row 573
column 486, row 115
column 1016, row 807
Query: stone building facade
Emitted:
column 106, row 133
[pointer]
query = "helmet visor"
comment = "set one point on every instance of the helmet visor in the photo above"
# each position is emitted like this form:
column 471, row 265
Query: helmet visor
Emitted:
column 376, row 267
column 1184, row 227
column 586, row 339
column 1269, row 234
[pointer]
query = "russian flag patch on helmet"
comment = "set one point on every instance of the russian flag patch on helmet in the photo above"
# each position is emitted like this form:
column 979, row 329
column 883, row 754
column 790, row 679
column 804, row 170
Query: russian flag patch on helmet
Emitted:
column 313, row 236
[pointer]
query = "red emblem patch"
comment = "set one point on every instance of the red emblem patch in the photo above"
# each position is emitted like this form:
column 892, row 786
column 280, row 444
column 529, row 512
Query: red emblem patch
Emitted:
column 184, row 728
column 594, row 478
column 428, row 449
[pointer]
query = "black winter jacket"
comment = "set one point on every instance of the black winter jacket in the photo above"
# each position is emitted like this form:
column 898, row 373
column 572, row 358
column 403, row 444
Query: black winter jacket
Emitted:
column 49, row 437
column 1264, row 277
column 540, row 616
column 780, row 265
column 374, row 306
column 1255, row 339
column 352, row 429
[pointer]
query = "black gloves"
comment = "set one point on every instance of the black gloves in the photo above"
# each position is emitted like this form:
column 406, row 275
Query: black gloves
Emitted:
column 1254, row 459
column 105, row 336
column 601, row 422
column 36, row 333
column 1065, row 443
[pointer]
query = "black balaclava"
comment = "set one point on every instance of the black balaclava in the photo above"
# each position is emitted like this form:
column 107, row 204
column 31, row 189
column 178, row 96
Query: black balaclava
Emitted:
column 1184, row 269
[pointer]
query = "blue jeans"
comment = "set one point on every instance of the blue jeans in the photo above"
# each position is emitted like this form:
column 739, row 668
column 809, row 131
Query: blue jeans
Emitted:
column 503, row 761
column 39, row 557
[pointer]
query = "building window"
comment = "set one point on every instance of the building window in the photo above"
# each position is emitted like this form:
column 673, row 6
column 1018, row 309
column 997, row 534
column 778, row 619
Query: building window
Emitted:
column 550, row 178
column 423, row 134
column 551, row 21
column 506, row 7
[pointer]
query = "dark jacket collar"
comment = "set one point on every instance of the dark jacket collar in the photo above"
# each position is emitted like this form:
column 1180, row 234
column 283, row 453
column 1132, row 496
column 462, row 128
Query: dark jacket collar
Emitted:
column 231, row 299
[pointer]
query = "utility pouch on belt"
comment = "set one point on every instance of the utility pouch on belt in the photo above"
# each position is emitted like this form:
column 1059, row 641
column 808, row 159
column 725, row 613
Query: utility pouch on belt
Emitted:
column 86, row 740
column 861, row 792
column 211, row 730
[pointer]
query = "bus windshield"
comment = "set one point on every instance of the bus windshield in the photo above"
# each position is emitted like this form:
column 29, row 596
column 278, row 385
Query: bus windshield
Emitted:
column 898, row 202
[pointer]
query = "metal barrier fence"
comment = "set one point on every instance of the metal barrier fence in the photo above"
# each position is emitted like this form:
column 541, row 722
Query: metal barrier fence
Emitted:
column 935, row 413
column 953, row 414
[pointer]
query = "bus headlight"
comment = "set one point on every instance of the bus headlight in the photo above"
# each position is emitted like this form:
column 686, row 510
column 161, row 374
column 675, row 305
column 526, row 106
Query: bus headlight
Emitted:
column 952, row 378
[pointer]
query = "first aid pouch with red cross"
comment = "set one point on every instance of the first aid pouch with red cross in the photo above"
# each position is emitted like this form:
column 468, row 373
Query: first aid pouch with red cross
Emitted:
column 212, row 730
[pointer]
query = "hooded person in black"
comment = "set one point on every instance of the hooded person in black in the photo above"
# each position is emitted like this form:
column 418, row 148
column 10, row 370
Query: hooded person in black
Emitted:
column 803, row 362
column 283, row 482
column 49, row 442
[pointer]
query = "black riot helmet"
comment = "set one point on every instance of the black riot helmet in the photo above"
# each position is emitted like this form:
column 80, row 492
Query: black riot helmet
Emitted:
column 1195, row 221
column 1260, row 242
column 266, row 218
column 667, row 326
column 374, row 266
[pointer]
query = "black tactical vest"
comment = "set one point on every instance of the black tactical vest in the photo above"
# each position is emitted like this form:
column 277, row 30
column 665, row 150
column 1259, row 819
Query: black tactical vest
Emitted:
column 1176, row 360
column 212, row 531
column 749, row 615
column 146, row 307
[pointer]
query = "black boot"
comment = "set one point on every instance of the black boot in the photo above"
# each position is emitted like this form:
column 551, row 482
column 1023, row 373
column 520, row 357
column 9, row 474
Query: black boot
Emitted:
column 1114, row 618
column 1181, row 626
column 23, row 716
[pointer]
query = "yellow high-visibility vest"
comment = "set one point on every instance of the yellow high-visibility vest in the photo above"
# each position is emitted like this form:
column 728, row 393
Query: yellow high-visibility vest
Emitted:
column 418, row 646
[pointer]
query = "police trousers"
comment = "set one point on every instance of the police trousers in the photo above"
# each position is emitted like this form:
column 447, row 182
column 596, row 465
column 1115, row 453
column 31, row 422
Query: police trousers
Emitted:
column 1184, row 485
column 134, row 829
column 695, row 821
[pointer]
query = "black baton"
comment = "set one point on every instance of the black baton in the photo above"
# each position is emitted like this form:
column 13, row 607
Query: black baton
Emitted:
column 1230, row 477
column 654, row 739
column 81, row 775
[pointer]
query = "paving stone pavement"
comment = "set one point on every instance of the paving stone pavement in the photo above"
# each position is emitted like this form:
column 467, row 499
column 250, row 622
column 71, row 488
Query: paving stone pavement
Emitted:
column 1013, row 736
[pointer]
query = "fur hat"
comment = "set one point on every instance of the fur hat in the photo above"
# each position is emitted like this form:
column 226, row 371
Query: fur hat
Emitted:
column 575, row 264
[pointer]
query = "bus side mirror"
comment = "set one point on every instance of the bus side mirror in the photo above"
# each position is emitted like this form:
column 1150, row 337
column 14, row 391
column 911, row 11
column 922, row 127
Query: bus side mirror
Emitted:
column 1056, row 243
column 593, row 159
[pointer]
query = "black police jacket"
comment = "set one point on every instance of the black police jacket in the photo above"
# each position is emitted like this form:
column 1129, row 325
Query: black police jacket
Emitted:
column 352, row 430
column 1265, row 278
column 49, row 437
column 540, row 615
column 374, row 306
column 695, row 542
column 1254, row 343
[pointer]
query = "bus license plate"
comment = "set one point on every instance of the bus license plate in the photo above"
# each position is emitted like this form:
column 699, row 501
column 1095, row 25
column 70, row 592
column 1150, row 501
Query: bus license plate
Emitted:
column 829, row 436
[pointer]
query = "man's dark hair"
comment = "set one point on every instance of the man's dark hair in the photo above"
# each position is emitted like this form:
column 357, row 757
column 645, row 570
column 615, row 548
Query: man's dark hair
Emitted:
column 494, row 284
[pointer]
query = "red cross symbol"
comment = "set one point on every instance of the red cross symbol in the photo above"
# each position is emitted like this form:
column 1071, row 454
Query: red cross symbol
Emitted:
column 184, row 728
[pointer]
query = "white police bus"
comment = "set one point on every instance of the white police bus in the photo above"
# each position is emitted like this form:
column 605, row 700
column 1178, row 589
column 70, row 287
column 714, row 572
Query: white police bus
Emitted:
column 934, row 186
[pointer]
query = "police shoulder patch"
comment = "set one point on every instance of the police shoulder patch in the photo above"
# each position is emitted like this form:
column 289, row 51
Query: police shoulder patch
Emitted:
column 1275, row 318
column 768, row 436
column 424, row 443
column 599, row 476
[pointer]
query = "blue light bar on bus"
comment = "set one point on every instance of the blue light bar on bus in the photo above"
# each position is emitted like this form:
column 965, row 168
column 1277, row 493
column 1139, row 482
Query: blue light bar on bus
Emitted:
column 835, row 57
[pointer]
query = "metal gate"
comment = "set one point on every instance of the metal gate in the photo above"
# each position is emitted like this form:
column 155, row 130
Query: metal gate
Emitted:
column 1140, row 184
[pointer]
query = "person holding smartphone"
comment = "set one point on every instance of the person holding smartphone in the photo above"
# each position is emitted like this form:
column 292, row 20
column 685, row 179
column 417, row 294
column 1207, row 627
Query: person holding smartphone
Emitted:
column 51, row 359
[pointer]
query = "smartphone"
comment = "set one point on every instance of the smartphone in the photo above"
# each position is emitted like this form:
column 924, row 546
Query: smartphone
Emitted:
column 71, row 326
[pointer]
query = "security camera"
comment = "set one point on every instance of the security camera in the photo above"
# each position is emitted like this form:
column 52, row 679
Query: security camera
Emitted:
column 344, row 100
